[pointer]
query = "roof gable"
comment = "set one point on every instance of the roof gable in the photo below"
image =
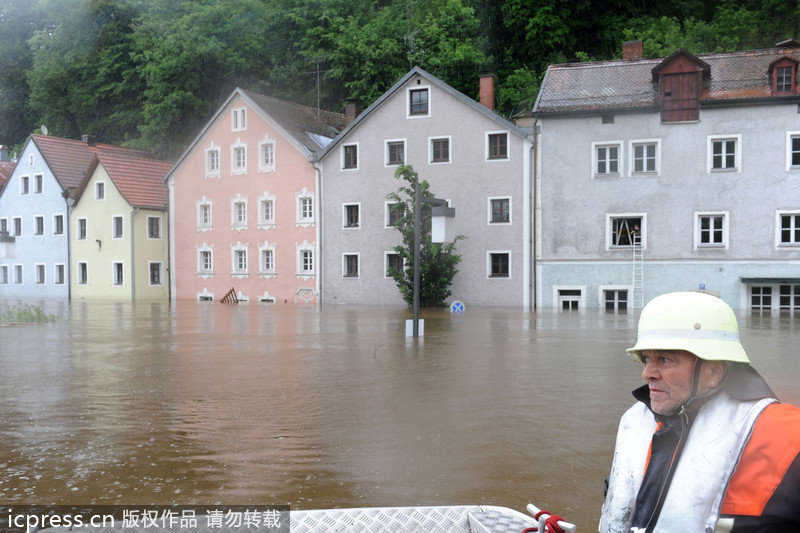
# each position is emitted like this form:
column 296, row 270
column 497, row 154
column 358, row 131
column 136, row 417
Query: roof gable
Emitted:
column 140, row 181
column 433, row 80
column 304, row 127
column 681, row 62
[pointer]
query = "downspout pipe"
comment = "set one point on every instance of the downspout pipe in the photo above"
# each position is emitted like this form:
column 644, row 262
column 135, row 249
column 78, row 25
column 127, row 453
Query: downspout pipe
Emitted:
column 318, row 208
column 133, row 257
column 68, row 273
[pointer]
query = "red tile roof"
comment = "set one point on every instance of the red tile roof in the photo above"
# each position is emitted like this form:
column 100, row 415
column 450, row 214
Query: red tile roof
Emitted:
column 69, row 159
column 628, row 83
column 6, row 168
column 140, row 181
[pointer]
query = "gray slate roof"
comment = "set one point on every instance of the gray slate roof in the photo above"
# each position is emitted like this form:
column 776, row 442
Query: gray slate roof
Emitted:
column 628, row 84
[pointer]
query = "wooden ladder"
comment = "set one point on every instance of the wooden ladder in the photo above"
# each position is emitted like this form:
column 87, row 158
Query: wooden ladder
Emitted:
column 230, row 297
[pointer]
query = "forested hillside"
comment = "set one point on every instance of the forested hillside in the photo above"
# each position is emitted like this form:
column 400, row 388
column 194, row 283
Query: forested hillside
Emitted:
column 148, row 73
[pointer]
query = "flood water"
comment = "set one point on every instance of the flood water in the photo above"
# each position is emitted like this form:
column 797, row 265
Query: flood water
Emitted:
column 318, row 408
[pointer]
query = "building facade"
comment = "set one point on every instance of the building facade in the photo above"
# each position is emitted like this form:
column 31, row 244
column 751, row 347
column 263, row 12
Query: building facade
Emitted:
column 667, row 174
column 119, row 245
column 243, row 203
column 470, row 156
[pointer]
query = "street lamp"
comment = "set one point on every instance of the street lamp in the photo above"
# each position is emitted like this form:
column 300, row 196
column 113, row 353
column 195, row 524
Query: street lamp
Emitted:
column 442, row 230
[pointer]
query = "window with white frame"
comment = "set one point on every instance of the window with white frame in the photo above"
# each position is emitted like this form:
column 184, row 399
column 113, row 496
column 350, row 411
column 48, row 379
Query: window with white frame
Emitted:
column 439, row 149
column 153, row 227
column 156, row 273
column 59, row 274
column 58, row 224
column 711, row 230
column 239, row 259
column 395, row 152
column 239, row 157
column 351, row 218
column 419, row 101
column 793, row 150
column 761, row 298
column 3, row 274
column 82, row 233
column 305, row 260
column 24, row 185
column 239, row 119
column 625, row 230
column 118, row 273
column 117, row 224
column 100, row 190
column 350, row 265
column 392, row 260
column 788, row 228
column 350, row 156
column 204, row 214
column 205, row 260
column 39, row 272
column 606, row 158
column 212, row 161
column 645, row 156
column 83, row 273
column 496, row 145
column 4, row 225
column 615, row 300
column 266, row 155
column 724, row 153
column 38, row 225
column 17, row 226
column 498, row 264
column 568, row 299
column 305, row 208
column 38, row 183
column 394, row 212
column 266, row 211
column 266, row 263
column 18, row 274
column 500, row 210
column 239, row 212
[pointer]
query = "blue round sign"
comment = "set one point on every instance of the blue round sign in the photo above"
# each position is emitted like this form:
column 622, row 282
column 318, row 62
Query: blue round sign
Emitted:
column 457, row 307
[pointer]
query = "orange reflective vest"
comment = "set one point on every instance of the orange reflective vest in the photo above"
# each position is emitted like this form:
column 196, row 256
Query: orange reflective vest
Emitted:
column 764, row 491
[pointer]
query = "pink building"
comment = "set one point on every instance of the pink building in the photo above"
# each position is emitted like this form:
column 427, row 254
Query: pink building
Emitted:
column 243, row 203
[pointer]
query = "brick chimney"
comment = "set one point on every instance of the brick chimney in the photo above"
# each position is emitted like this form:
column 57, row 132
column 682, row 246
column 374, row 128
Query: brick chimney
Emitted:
column 487, row 91
column 632, row 50
column 351, row 111
column 88, row 139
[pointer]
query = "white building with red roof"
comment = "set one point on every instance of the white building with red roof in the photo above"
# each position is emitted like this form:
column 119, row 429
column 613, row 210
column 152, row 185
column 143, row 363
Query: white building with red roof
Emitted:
column 35, row 210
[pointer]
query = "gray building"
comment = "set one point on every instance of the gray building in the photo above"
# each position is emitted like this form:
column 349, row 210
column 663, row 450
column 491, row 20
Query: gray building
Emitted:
column 470, row 156
column 670, row 174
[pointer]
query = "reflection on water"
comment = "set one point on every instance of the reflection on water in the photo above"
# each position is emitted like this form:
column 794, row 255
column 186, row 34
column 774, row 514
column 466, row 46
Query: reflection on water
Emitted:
column 211, row 403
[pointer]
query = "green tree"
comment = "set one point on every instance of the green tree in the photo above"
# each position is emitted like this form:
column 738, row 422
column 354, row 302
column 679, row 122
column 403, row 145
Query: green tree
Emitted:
column 365, row 46
column 18, row 21
column 437, row 262
column 84, row 78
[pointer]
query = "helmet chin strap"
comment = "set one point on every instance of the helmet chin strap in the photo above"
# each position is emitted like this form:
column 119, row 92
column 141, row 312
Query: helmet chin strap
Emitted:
column 698, row 367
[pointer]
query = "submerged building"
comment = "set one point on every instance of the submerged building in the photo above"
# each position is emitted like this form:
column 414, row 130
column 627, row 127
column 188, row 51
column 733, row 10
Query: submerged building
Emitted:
column 664, row 174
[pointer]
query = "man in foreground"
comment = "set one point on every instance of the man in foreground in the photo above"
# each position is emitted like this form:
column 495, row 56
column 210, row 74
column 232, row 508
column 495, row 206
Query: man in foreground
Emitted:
column 707, row 448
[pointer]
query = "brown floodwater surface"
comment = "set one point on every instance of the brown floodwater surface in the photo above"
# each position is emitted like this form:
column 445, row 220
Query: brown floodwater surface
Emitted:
column 326, row 407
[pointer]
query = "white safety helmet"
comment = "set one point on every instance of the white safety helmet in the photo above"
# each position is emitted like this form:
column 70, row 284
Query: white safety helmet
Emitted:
column 693, row 321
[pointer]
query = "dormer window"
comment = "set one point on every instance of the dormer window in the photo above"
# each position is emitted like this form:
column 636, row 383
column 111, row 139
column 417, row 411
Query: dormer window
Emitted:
column 680, row 86
column 782, row 76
